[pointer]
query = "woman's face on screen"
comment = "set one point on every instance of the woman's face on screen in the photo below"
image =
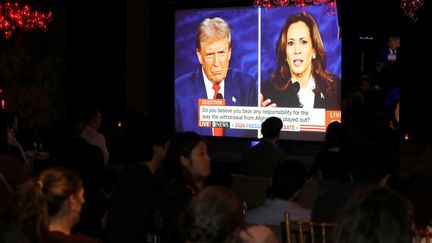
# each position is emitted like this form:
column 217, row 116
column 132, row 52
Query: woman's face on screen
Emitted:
column 198, row 162
column 299, row 50
column 214, row 57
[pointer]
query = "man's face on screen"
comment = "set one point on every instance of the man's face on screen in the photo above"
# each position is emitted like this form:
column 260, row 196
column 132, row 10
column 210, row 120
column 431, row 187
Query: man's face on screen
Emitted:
column 214, row 57
column 299, row 50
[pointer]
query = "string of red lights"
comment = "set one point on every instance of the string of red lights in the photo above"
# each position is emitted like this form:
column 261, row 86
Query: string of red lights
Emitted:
column 13, row 16
column 331, row 4
column 409, row 8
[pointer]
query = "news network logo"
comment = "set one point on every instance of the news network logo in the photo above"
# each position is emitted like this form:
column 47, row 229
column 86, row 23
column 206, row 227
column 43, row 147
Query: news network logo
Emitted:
column 220, row 124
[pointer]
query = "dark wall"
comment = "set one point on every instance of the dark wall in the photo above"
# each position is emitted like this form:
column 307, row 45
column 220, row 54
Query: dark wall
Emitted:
column 416, row 82
column 95, row 56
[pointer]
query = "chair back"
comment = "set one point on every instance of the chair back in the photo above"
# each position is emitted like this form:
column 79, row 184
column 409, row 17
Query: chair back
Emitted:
column 422, row 236
column 306, row 231
column 252, row 190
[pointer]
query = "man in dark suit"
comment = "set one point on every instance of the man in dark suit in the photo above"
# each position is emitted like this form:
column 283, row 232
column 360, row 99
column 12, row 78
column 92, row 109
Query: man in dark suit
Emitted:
column 388, row 53
column 389, row 65
column 213, row 80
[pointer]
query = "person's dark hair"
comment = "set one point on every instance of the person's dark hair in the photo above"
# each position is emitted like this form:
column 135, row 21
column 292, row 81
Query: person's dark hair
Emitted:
column 378, row 215
column 288, row 178
column 271, row 127
column 90, row 115
column 367, row 79
column 212, row 216
column 326, row 82
column 181, row 144
column 144, row 151
column 333, row 135
column 42, row 198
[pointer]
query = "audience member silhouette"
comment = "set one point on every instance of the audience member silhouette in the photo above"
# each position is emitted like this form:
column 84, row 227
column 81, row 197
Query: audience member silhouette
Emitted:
column 330, row 164
column 377, row 215
column 371, row 164
column 262, row 159
column 215, row 215
column 287, row 182
column 329, row 168
column 93, row 120
column 132, row 204
column 88, row 161
column 186, row 166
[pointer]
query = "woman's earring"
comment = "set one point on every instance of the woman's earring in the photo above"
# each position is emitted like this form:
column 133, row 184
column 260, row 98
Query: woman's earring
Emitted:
column 313, row 57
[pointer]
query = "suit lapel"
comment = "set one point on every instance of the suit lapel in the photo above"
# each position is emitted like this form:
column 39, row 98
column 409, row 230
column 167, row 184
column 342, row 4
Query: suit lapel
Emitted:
column 199, row 86
column 231, row 90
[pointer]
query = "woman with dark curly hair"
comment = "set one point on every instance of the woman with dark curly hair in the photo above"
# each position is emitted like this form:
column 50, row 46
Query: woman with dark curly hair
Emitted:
column 301, row 79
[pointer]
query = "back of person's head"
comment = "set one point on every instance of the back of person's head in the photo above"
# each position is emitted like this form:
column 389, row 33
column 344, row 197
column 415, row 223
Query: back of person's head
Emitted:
column 372, row 161
column 212, row 216
column 214, row 29
column 271, row 127
column 91, row 117
column 333, row 135
column 57, row 184
column 366, row 83
column 378, row 215
column 40, row 199
column 146, row 150
column 288, row 178
column 180, row 145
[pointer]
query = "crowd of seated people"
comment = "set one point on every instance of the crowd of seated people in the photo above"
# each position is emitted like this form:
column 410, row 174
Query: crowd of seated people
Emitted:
column 151, row 193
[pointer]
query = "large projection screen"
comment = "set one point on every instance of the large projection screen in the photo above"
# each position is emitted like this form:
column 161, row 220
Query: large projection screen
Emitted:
column 251, row 69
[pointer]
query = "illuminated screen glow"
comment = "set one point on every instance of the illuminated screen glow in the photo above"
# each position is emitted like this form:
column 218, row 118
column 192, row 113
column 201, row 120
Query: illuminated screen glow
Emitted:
column 254, row 34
